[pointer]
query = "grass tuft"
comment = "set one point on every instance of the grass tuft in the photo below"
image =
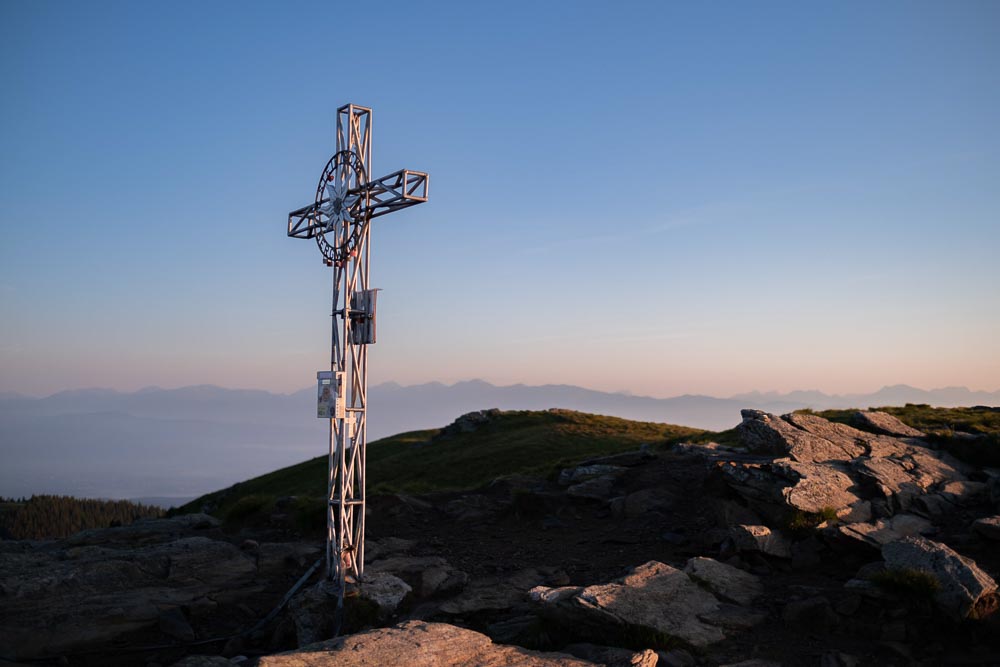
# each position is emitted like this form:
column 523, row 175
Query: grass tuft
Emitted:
column 908, row 583
column 802, row 523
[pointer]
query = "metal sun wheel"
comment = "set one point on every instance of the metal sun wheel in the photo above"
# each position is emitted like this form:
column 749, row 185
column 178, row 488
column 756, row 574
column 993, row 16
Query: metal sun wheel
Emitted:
column 339, row 220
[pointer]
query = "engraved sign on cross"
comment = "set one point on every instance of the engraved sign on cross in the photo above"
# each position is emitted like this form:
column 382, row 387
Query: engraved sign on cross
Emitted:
column 339, row 219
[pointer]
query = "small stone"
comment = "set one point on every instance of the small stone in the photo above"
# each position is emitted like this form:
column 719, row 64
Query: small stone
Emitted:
column 174, row 624
column 894, row 632
column 760, row 539
column 598, row 488
column 988, row 527
column 645, row 501
column 813, row 614
column 671, row 537
column 848, row 605
column 676, row 658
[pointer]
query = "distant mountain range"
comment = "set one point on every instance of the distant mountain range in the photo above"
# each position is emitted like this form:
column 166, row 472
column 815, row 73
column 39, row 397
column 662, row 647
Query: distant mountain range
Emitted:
column 180, row 443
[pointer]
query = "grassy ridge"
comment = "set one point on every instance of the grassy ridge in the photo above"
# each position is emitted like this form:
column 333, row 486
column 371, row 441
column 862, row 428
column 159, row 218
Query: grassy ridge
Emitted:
column 422, row 461
column 539, row 443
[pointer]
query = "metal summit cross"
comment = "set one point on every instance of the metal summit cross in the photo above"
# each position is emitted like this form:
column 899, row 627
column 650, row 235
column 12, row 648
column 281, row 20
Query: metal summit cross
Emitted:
column 347, row 200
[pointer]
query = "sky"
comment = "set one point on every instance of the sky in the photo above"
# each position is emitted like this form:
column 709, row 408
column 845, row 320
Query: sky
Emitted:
column 663, row 198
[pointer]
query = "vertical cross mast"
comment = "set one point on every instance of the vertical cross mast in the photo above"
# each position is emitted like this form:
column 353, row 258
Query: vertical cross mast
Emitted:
column 349, row 361
column 347, row 199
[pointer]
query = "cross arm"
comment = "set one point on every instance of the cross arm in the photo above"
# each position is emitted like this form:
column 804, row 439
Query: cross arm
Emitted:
column 398, row 190
column 303, row 222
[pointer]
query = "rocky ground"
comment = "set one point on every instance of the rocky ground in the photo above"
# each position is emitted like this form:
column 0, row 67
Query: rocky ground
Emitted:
column 812, row 543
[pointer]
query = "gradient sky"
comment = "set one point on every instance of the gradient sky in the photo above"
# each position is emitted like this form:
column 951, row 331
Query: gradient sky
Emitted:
column 657, row 197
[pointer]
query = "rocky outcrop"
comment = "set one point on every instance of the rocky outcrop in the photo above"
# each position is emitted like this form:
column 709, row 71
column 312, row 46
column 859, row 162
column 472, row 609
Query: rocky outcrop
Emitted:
column 419, row 644
column 99, row 585
column 655, row 597
column 822, row 466
column 963, row 584
column 594, row 481
column 469, row 422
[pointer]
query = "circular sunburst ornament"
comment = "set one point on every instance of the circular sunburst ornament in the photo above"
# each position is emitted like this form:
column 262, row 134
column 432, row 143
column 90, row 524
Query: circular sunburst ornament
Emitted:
column 341, row 205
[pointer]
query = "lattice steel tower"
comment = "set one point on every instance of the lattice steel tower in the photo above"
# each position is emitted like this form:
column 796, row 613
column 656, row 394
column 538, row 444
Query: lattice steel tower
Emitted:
column 347, row 199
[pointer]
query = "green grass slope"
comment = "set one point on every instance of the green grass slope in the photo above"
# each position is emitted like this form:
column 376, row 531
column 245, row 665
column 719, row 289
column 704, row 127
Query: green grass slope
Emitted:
column 537, row 443
column 423, row 461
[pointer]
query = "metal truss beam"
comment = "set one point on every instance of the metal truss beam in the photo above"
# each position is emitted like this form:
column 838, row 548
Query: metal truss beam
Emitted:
column 394, row 192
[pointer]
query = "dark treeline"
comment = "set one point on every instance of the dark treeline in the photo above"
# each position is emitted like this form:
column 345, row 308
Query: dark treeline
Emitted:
column 46, row 517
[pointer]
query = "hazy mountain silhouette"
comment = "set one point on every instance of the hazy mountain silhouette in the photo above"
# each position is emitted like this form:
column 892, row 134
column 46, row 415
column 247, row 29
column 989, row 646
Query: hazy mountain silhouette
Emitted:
column 187, row 441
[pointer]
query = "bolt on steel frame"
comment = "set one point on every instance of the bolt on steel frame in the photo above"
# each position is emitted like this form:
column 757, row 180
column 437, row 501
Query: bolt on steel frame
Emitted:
column 339, row 220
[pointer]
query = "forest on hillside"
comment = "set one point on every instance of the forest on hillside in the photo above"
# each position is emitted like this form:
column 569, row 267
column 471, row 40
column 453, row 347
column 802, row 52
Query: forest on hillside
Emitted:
column 49, row 517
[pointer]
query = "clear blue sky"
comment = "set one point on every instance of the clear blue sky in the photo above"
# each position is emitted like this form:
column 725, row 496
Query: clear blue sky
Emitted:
column 658, row 197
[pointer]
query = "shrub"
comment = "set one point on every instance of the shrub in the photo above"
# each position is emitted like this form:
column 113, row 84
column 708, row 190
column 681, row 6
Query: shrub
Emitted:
column 908, row 583
column 249, row 510
column 309, row 515
column 805, row 522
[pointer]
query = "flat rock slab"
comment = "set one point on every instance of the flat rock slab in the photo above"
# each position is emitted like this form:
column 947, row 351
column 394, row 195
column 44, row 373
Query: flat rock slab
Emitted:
column 494, row 594
column 653, row 597
column 884, row 531
column 660, row 597
column 418, row 644
column 725, row 581
column 884, row 423
column 58, row 599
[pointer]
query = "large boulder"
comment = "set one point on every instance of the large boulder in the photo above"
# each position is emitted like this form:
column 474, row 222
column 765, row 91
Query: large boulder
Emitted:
column 385, row 591
column 963, row 584
column 313, row 612
column 417, row 644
